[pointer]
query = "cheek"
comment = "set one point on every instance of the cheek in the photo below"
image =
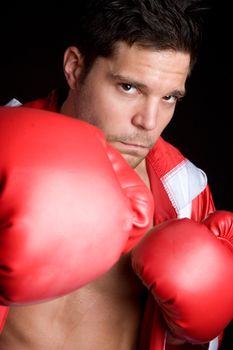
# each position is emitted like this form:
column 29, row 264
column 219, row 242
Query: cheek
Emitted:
column 103, row 107
column 92, row 107
column 111, row 113
column 166, row 117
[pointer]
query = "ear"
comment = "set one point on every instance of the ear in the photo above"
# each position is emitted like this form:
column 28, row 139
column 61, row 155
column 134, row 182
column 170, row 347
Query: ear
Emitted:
column 72, row 65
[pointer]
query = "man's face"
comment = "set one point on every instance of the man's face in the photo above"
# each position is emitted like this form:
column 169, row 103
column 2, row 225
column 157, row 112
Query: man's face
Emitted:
column 130, row 96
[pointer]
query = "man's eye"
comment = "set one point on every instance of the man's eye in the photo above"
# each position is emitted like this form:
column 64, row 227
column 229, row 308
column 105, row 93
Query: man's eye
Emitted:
column 171, row 98
column 128, row 88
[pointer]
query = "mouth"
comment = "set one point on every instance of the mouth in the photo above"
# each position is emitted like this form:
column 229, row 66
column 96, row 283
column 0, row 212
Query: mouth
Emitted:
column 134, row 145
column 132, row 149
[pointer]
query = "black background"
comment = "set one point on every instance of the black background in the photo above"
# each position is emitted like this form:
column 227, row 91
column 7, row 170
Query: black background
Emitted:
column 32, row 40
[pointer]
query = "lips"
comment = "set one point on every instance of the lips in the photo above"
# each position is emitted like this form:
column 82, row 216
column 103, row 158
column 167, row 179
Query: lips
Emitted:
column 134, row 145
column 132, row 149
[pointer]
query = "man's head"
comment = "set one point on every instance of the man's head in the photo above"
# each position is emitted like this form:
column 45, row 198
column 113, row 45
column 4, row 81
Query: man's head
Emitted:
column 129, row 68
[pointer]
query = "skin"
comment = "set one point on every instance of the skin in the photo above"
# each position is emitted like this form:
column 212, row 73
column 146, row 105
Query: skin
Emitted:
column 131, row 97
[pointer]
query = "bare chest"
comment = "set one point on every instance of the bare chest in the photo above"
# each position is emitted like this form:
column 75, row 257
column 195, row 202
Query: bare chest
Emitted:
column 105, row 314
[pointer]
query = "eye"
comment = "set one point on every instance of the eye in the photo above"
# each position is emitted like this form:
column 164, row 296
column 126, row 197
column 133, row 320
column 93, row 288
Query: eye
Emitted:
column 129, row 88
column 171, row 98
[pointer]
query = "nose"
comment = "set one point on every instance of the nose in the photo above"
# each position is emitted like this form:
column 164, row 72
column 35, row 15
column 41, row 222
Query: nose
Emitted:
column 146, row 116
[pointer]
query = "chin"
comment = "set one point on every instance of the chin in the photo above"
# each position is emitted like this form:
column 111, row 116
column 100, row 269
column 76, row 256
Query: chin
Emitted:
column 131, row 160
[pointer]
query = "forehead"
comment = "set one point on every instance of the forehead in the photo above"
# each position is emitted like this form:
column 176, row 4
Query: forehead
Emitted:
column 148, row 66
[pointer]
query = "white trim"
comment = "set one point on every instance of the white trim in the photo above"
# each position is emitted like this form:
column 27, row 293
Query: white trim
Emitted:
column 213, row 345
column 13, row 103
column 165, row 341
column 185, row 212
column 183, row 184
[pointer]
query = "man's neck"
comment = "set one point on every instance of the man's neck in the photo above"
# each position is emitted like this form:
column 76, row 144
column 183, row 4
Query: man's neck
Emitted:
column 142, row 172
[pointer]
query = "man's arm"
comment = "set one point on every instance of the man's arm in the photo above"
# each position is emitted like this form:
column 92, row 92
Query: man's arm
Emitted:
column 66, row 217
column 188, row 267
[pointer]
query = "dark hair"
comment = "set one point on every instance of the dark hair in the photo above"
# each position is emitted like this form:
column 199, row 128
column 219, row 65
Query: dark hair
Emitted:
column 158, row 24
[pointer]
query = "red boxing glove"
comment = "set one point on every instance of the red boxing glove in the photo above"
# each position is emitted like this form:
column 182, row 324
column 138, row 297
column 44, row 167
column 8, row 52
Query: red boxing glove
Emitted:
column 65, row 216
column 189, row 271
column 142, row 206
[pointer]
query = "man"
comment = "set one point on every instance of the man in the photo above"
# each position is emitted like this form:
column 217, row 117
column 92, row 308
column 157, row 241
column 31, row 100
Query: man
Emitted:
column 125, row 75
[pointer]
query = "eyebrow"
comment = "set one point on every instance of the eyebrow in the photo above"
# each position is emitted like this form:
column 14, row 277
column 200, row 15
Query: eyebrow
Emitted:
column 128, row 80
column 177, row 93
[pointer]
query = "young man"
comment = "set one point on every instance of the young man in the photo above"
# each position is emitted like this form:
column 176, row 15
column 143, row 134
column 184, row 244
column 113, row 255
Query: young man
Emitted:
column 125, row 75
